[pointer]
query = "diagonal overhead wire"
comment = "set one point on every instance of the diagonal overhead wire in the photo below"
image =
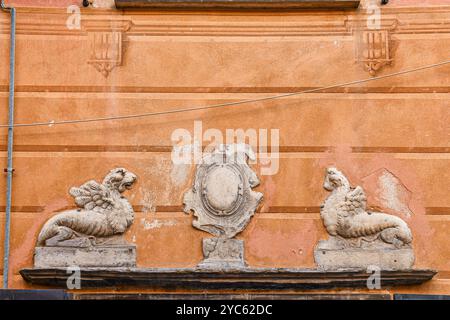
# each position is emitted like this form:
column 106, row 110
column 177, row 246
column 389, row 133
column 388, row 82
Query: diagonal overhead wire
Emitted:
column 226, row 104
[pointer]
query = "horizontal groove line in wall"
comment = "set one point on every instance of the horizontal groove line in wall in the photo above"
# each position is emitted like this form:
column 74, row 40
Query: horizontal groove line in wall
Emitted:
column 432, row 211
column 168, row 149
column 145, row 89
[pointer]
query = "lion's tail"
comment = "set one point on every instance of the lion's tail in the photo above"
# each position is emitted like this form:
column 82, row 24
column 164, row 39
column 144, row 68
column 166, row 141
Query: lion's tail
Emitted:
column 49, row 230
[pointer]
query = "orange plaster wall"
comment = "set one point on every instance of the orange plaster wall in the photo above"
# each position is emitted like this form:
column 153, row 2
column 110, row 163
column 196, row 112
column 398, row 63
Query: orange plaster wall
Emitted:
column 398, row 124
column 44, row 3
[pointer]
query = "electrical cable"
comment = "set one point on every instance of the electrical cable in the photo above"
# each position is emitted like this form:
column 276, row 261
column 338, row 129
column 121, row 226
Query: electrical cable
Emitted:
column 227, row 104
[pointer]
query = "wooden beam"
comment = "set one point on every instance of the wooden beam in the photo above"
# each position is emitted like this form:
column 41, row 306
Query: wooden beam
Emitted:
column 237, row 4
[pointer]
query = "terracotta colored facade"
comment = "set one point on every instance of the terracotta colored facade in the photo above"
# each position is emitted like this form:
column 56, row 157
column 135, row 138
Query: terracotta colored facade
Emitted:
column 172, row 60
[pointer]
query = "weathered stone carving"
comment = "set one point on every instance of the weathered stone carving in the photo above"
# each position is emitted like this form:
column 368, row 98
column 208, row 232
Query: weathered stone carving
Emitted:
column 106, row 51
column 103, row 212
column 223, row 202
column 222, row 252
column 106, row 44
column 374, row 50
column 103, row 215
column 373, row 44
column 359, row 238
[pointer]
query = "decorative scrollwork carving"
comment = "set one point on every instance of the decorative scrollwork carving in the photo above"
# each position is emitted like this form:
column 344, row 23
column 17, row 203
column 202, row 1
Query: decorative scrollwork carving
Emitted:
column 221, row 197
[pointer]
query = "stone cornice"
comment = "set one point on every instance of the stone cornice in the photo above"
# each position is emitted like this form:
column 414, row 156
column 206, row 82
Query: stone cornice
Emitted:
column 273, row 279
column 116, row 12
column 33, row 21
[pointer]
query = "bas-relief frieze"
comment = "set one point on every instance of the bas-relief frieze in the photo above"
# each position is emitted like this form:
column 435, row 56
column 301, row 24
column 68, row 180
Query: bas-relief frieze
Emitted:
column 92, row 234
column 374, row 48
column 106, row 43
column 223, row 203
column 358, row 237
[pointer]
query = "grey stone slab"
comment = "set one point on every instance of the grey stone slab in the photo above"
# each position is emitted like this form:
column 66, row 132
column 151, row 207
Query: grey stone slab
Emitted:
column 222, row 253
column 384, row 259
column 108, row 256
column 236, row 296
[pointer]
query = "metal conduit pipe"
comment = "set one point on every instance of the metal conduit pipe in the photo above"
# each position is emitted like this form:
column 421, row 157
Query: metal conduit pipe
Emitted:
column 9, row 169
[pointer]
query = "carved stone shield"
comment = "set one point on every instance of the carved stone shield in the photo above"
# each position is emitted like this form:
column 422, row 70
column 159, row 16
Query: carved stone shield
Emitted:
column 221, row 197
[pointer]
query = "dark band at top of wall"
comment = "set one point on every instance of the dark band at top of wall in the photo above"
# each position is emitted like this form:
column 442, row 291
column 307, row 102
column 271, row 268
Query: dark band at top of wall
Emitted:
column 237, row 4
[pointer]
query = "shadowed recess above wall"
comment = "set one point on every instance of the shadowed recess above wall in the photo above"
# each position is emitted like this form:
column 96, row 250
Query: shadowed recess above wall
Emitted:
column 238, row 4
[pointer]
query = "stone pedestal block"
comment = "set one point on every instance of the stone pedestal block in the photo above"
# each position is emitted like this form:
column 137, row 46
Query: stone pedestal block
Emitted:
column 384, row 259
column 107, row 257
column 222, row 253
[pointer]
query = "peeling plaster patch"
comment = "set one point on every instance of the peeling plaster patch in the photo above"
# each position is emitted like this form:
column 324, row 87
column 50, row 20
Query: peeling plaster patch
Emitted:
column 164, row 190
column 148, row 201
column 385, row 190
column 182, row 156
column 156, row 224
column 103, row 4
column 179, row 174
column 337, row 43
column 393, row 194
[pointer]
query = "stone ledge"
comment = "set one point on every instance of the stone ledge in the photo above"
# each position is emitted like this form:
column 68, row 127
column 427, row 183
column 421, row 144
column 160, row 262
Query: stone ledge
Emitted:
column 238, row 4
column 237, row 296
column 101, row 256
column 232, row 279
column 387, row 259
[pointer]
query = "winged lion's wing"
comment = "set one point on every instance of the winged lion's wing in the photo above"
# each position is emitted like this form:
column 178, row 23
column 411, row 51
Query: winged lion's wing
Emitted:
column 92, row 196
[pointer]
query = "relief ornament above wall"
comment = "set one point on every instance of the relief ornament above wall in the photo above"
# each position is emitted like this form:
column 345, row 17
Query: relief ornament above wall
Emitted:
column 360, row 238
column 223, row 202
column 95, row 228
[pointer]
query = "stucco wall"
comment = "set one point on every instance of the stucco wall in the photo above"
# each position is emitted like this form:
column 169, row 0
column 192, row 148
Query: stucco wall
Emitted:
column 184, row 59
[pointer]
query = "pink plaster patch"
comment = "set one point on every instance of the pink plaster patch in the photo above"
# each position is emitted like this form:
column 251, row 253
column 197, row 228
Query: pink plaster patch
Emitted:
column 386, row 191
column 268, row 188
column 22, row 256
